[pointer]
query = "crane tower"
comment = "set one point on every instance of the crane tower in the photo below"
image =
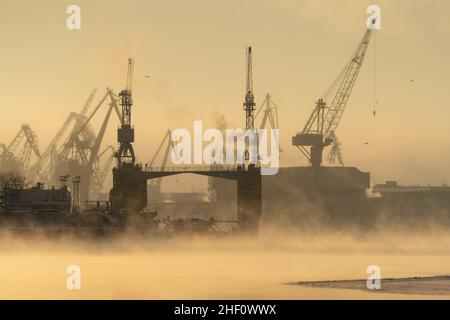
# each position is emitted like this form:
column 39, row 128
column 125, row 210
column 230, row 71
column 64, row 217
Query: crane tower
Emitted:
column 125, row 134
column 249, row 103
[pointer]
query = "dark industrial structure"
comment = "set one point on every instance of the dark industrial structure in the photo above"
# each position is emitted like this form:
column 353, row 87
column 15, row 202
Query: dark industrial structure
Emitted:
column 16, row 198
column 128, row 196
column 337, row 196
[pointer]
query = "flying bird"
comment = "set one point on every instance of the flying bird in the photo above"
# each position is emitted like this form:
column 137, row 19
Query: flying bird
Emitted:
column 147, row 76
column 412, row 80
column 366, row 144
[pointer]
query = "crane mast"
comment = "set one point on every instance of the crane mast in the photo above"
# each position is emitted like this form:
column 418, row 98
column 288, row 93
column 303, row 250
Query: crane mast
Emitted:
column 249, row 103
column 319, row 130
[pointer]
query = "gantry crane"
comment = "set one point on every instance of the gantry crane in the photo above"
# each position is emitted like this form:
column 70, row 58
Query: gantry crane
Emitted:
column 16, row 156
column 320, row 128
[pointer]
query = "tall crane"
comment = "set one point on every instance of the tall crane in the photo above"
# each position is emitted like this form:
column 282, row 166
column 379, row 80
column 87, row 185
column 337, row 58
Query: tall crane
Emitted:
column 129, row 189
column 249, row 103
column 125, row 133
column 320, row 128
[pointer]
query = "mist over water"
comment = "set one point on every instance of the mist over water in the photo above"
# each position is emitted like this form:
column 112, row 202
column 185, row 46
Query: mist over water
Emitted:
column 130, row 266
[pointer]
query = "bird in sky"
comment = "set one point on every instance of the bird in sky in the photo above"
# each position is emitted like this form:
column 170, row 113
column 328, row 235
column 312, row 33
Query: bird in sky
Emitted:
column 366, row 144
column 147, row 76
column 412, row 80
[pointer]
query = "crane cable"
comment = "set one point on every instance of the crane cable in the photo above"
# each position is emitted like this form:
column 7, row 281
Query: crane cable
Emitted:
column 331, row 90
column 374, row 101
column 375, row 92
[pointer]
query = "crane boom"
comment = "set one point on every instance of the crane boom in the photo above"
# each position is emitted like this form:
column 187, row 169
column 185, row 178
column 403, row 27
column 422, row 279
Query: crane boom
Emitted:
column 337, row 106
column 319, row 130
column 98, row 141
column 88, row 102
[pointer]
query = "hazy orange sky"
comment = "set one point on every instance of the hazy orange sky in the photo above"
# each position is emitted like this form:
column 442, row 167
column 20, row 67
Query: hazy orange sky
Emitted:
column 194, row 52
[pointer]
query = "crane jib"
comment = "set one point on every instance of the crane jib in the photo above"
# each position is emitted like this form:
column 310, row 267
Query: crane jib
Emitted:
column 337, row 106
column 319, row 130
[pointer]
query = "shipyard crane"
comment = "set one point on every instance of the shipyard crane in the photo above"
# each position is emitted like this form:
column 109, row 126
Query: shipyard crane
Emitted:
column 96, row 140
column 125, row 154
column 320, row 128
column 249, row 103
column 16, row 156
column 86, row 145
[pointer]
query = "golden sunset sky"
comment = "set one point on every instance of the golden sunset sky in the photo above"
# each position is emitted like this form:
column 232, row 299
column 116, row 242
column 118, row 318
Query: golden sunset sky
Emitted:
column 194, row 52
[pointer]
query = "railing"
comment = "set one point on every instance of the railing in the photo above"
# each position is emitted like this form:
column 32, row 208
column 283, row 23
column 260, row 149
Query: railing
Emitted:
column 204, row 168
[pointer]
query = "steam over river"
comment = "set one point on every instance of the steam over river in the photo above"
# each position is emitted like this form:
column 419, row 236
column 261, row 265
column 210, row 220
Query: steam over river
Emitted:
column 215, row 269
